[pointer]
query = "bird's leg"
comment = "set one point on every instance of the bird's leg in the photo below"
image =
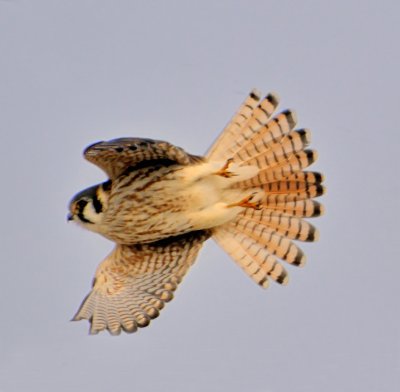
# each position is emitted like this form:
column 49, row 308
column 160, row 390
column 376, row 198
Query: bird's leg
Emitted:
column 224, row 172
column 247, row 202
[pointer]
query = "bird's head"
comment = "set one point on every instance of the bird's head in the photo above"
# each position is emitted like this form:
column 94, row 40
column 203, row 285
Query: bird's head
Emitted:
column 88, row 206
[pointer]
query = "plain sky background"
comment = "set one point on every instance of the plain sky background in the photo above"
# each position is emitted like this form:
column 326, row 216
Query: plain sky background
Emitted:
column 75, row 72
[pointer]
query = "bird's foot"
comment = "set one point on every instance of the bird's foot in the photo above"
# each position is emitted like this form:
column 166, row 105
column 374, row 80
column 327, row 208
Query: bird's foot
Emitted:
column 247, row 203
column 224, row 172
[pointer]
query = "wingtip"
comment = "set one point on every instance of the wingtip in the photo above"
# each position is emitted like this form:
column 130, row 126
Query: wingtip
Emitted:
column 90, row 148
column 114, row 332
column 77, row 317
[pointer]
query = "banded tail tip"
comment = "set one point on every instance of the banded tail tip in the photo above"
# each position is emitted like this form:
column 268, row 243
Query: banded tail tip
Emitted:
column 255, row 94
column 313, row 236
column 291, row 117
column 273, row 97
column 305, row 136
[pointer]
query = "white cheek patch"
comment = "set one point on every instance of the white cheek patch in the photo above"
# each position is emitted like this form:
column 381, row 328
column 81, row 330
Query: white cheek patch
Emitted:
column 90, row 214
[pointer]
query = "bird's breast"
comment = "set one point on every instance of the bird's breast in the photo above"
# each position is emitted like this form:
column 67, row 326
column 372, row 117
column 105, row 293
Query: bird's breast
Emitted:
column 159, row 202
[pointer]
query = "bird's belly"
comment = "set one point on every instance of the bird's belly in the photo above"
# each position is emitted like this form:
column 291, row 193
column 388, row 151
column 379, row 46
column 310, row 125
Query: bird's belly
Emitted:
column 169, row 207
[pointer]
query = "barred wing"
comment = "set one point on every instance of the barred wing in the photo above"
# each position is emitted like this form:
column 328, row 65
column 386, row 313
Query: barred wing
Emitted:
column 117, row 155
column 134, row 282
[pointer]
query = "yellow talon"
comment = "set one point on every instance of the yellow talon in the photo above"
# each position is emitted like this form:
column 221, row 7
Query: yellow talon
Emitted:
column 224, row 172
column 247, row 203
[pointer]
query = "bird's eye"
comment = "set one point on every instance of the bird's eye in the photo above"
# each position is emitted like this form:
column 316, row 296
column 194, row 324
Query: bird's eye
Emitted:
column 106, row 185
column 81, row 204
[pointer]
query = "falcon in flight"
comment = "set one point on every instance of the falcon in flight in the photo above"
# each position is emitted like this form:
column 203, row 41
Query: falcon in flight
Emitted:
column 249, row 192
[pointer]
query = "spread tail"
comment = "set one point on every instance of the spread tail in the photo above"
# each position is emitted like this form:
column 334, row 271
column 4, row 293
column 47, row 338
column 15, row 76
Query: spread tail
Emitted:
column 257, row 238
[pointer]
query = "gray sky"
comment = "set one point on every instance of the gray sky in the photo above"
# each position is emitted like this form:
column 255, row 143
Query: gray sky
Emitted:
column 74, row 72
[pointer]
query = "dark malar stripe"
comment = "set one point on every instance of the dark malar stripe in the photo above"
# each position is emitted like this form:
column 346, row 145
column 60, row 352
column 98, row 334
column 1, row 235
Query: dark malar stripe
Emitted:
column 83, row 219
column 98, row 206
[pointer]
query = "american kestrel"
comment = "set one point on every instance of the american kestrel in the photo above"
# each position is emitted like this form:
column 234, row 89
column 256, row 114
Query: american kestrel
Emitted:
column 249, row 192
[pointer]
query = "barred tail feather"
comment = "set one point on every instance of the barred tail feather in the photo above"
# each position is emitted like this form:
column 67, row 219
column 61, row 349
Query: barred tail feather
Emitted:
column 286, row 225
column 235, row 125
column 251, row 256
column 265, row 156
column 248, row 121
column 258, row 237
column 272, row 132
column 299, row 208
column 283, row 168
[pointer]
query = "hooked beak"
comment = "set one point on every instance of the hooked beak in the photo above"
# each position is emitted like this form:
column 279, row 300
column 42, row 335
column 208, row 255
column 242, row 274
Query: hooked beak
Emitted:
column 70, row 217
